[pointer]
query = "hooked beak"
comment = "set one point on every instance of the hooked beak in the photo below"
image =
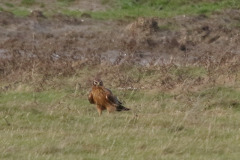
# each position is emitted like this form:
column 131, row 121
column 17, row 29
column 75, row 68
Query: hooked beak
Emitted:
column 98, row 84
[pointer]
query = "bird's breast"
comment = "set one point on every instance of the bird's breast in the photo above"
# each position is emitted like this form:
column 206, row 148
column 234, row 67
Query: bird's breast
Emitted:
column 99, row 97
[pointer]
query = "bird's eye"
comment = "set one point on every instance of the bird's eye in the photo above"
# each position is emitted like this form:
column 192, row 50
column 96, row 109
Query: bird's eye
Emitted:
column 94, row 82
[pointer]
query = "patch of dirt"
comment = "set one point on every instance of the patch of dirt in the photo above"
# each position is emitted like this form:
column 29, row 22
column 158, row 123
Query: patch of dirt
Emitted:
column 145, row 41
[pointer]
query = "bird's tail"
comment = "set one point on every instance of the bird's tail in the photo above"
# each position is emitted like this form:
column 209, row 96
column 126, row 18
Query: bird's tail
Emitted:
column 122, row 108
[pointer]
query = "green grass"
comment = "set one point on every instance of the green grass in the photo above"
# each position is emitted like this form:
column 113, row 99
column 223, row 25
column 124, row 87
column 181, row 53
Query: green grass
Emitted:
column 9, row 5
column 222, row 97
column 28, row 2
column 120, row 9
column 60, row 123
column 189, row 71
column 21, row 12
column 162, row 8
column 123, row 8
column 42, row 5
column 65, row 3
column 75, row 13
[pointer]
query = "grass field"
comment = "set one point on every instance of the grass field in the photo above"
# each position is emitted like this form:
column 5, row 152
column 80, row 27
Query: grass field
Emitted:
column 189, row 121
column 178, row 111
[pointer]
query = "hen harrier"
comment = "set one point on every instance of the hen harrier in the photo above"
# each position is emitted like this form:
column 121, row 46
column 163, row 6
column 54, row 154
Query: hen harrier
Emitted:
column 104, row 99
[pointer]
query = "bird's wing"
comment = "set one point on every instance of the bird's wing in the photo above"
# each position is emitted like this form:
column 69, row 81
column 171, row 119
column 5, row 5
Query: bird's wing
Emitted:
column 113, row 99
column 110, row 97
column 90, row 98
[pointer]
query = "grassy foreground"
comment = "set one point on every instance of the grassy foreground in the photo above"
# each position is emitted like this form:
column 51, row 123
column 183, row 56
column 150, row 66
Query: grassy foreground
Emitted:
column 188, row 121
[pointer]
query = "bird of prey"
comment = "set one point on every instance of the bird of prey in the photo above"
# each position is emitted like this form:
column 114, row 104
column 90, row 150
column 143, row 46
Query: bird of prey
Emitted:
column 104, row 99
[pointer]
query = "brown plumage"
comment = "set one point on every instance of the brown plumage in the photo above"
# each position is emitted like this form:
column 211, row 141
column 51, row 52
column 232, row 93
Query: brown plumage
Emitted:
column 104, row 99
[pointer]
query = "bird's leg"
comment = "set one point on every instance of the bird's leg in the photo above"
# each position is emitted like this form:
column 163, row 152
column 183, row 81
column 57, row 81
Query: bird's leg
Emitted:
column 99, row 110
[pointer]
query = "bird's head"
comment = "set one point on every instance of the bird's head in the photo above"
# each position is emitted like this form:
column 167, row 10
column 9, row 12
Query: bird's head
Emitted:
column 97, row 82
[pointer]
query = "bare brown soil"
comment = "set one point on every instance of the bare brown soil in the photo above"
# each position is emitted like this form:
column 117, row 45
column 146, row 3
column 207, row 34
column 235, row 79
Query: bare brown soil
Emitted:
column 38, row 40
